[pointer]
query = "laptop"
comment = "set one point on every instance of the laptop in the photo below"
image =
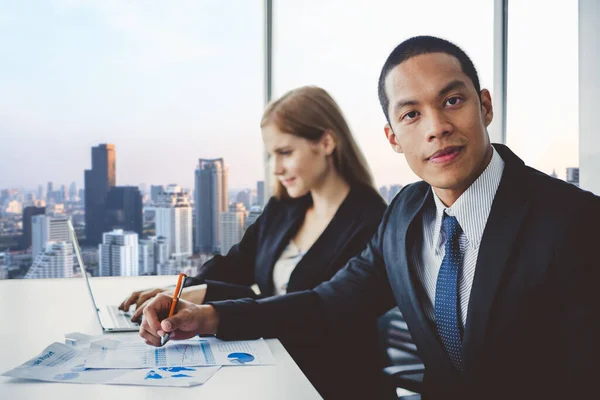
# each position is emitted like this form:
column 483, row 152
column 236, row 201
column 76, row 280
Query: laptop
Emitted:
column 110, row 317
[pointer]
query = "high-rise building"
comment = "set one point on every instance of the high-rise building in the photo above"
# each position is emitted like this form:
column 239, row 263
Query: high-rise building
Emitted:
column 394, row 190
column 232, row 226
column 211, row 201
column 50, row 192
column 119, row 254
column 260, row 193
column 174, row 265
column 243, row 197
column 153, row 253
column 255, row 212
column 155, row 191
column 573, row 176
column 98, row 181
column 54, row 261
column 28, row 213
column 44, row 229
column 147, row 262
column 73, row 191
column 173, row 216
column 123, row 209
column 60, row 195
column 384, row 192
column 41, row 194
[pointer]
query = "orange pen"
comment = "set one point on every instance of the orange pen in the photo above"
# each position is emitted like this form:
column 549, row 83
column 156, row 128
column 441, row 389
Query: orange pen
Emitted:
column 178, row 290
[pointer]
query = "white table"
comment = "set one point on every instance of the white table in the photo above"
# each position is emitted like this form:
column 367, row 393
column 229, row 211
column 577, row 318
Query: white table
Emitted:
column 34, row 313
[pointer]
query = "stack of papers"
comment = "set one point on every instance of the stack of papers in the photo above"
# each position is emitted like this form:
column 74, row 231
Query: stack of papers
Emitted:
column 128, row 361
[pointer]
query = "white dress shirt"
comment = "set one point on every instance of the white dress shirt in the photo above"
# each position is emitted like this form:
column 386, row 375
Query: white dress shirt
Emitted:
column 289, row 258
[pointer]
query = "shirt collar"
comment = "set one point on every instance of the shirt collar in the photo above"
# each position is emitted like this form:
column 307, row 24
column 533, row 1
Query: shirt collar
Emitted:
column 473, row 207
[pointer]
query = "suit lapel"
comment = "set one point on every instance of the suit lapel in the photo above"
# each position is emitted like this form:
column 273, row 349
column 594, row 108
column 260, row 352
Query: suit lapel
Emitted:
column 406, row 231
column 326, row 247
column 279, row 236
column 504, row 222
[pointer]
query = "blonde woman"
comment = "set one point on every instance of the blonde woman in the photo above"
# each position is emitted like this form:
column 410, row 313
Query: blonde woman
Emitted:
column 323, row 211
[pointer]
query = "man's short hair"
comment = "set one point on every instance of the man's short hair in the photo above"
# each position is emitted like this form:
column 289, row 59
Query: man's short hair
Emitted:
column 423, row 45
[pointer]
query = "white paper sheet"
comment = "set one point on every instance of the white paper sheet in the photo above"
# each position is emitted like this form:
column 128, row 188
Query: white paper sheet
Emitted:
column 64, row 363
column 194, row 352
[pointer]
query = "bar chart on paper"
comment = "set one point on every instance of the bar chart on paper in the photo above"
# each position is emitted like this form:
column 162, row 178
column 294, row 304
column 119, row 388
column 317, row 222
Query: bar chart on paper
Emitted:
column 139, row 355
column 179, row 354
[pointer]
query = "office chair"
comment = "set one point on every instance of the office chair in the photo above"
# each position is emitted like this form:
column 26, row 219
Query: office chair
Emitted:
column 405, row 369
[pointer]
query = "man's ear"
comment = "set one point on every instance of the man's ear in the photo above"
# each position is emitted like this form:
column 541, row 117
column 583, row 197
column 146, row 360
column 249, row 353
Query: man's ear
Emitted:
column 391, row 137
column 487, row 111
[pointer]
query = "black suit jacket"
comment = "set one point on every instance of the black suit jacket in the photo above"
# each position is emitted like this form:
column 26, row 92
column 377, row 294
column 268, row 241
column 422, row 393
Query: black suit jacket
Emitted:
column 324, row 360
column 531, row 327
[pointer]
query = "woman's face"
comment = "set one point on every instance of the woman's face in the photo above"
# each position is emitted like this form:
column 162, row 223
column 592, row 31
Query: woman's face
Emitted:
column 299, row 164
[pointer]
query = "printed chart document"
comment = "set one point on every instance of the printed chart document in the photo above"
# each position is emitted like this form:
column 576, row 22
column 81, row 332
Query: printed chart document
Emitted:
column 65, row 363
column 193, row 352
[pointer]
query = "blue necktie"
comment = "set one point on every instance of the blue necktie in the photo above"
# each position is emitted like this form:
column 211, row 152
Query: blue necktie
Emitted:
column 446, row 293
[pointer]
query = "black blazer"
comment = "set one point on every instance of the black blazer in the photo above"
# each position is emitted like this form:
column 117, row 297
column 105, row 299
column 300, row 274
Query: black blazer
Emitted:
column 325, row 360
column 531, row 328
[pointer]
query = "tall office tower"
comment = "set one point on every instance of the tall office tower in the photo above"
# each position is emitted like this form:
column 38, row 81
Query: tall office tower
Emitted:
column 174, row 220
column 147, row 261
column 73, row 191
column 384, row 192
column 98, row 181
column 243, row 197
column 394, row 190
column 119, row 254
column 123, row 209
column 44, row 229
column 252, row 216
column 211, row 201
column 60, row 195
column 153, row 254
column 573, row 176
column 41, row 194
column 50, row 192
column 81, row 196
column 28, row 213
column 260, row 193
column 54, row 261
column 155, row 191
column 232, row 226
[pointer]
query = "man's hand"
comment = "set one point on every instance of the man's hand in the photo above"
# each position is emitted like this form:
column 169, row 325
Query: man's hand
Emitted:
column 188, row 321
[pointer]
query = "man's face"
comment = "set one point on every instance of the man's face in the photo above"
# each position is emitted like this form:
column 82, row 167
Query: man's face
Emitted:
column 438, row 121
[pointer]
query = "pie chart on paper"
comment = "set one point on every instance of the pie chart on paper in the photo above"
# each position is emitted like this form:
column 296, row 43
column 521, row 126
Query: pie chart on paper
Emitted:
column 240, row 358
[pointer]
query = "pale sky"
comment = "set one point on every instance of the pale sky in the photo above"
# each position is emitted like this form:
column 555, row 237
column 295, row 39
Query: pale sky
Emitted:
column 171, row 82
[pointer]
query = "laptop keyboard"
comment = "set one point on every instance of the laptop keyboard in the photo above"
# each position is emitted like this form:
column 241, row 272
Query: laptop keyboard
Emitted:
column 121, row 319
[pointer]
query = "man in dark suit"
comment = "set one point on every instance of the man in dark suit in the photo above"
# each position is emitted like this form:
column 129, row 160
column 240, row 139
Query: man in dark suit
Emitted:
column 491, row 262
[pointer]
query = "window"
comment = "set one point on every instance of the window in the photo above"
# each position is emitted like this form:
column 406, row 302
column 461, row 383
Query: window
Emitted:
column 542, row 79
column 341, row 46
column 166, row 84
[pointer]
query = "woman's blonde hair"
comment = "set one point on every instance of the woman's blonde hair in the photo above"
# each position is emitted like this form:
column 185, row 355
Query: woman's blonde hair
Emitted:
column 308, row 112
